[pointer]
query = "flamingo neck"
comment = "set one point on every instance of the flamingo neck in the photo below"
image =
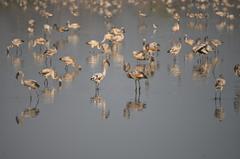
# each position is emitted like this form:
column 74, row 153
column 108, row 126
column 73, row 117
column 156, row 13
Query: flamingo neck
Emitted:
column 104, row 71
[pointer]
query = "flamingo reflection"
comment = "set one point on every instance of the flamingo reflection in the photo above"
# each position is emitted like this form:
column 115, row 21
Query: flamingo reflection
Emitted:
column 100, row 103
column 135, row 105
column 219, row 112
column 28, row 113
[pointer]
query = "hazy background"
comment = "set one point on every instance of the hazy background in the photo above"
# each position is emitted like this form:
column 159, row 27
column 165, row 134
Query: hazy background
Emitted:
column 178, row 121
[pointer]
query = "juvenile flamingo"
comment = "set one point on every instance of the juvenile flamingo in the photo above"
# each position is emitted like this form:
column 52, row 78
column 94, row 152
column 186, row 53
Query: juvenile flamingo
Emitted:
column 98, row 77
column 30, row 84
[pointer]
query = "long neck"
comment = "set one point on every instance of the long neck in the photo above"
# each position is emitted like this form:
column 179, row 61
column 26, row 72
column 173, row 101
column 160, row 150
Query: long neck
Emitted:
column 104, row 71
column 54, row 76
column 105, row 67
column 21, row 80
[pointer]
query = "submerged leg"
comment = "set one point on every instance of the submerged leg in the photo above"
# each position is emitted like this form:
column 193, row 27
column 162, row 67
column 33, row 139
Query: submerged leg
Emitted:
column 30, row 99
column 46, row 82
column 135, row 85
column 21, row 51
column 174, row 60
column 216, row 95
column 50, row 61
column 97, row 86
column 16, row 51
column 139, row 86
column 66, row 68
column 37, row 98
column 46, row 61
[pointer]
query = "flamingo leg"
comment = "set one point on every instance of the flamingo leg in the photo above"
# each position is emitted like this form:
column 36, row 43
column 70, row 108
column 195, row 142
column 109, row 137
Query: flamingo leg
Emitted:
column 139, row 94
column 139, row 86
column 30, row 95
column 37, row 98
column 97, row 92
column 50, row 61
column 46, row 82
column 174, row 59
column 17, row 51
column 21, row 50
column 40, row 46
column 46, row 61
column 66, row 68
column 215, row 95
column 97, row 86
column 135, row 86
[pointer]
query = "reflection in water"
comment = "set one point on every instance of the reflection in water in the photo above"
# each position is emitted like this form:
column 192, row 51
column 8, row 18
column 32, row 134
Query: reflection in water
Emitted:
column 69, row 76
column 60, row 44
column 236, row 102
column 237, row 70
column 135, row 105
column 73, row 39
column 201, row 71
column 15, row 43
column 16, row 61
column 198, row 26
column 93, row 59
column 158, row 22
column 100, row 103
column 29, row 112
column 219, row 85
column 219, row 110
column 48, row 94
column 38, row 58
column 175, row 71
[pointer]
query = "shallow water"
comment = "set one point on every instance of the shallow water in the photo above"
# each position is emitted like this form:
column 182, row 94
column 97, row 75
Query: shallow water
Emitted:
column 178, row 120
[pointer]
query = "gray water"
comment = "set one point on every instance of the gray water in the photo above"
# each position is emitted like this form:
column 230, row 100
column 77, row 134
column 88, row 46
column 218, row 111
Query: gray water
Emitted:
column 178, row 120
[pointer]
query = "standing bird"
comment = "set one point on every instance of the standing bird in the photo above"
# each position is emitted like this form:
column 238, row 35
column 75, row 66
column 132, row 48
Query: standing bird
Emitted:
column 50, row 73
column 74, row 26
column 219, row 85
column 176, row 27
column 16, row 42
column 30, row 84
column 140, row 55
column 151, row 47
column 216, row 42
column 60, row 29
column 40, row 41
column 188, row 40
column 116, row 30
column 69, row 60
column 49, row 53
column 134, row 74
column 107, row 37
column 98, row 77
column 237, row 70
column 176, row 48
column 137, row 76
column 94, row 44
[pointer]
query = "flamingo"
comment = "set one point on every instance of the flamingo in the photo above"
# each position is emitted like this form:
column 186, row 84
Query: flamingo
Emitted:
column 98, row 77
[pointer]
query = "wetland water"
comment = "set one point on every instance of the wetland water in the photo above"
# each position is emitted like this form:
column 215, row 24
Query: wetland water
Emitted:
column 176, row 117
